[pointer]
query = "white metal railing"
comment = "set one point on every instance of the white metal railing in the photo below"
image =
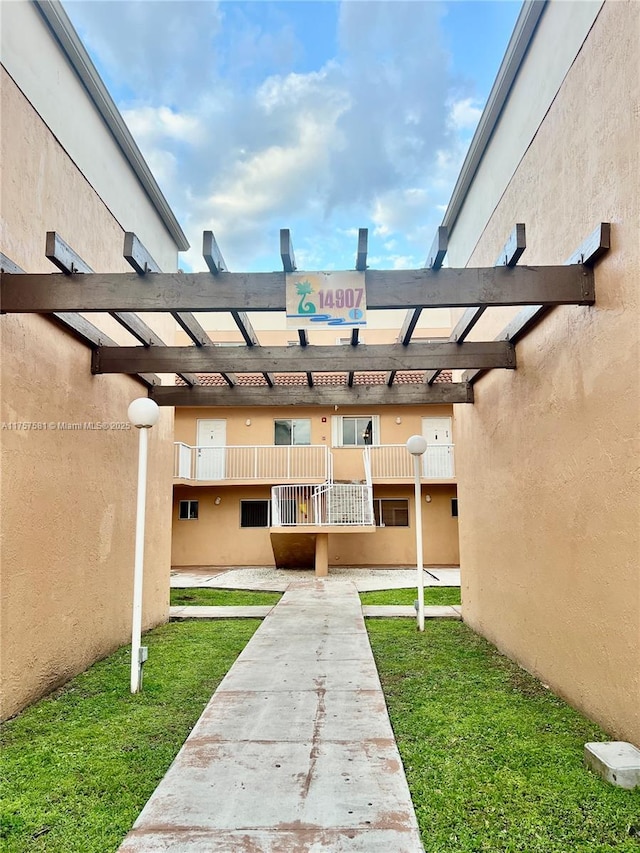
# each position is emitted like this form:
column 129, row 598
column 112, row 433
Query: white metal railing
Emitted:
column 329, row 504
column 266, row 462
column 393, row 461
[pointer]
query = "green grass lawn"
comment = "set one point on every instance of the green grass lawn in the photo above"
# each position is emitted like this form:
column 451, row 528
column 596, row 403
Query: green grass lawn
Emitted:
column 432, row 595
column 493, row 760
column 214, row 597
column 79, row 765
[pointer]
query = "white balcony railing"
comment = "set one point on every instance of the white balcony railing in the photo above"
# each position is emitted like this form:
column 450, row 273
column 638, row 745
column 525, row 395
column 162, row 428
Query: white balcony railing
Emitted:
column 268, row 462
column 326, row 505
column 393, row 462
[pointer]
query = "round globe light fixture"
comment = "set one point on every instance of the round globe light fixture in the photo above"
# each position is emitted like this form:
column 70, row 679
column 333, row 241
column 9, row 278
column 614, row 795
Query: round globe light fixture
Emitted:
column 416, row 445
column 143, row 413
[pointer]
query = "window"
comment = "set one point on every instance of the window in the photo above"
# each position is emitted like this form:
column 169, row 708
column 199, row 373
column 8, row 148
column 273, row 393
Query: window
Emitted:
column 356, row 431
column 188, row 510
column 391, row 512
column 255, row 513
column 454, row 507
column 293, row 431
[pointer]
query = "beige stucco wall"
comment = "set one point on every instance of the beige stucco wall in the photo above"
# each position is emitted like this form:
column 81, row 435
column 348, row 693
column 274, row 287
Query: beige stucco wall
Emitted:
column 547, row 456
column 347, row 461
column 68, row 496
column 215, row 538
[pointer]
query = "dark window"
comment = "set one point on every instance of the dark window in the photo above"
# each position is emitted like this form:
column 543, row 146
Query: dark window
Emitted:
column 454, row 507
column 255, row 513
column 188, row 510
column 391, row 513
column 357, row 431
column 293, row 431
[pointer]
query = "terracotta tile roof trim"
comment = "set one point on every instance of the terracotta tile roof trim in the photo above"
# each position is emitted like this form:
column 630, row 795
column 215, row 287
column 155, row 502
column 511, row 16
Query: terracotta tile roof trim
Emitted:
column 413, row 377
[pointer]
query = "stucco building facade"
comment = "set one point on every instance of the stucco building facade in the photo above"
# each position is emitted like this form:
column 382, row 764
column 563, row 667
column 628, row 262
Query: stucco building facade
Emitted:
column 68, row 454
column 547, row 455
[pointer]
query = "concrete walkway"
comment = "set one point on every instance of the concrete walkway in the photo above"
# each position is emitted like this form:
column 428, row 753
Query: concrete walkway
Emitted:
column 294, row 753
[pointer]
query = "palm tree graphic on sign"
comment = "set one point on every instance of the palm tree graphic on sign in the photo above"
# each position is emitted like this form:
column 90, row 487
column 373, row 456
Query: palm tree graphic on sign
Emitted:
column 304, row 289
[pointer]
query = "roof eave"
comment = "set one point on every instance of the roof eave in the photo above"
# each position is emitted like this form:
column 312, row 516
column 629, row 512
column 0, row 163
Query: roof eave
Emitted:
column 516, row 49
column 61, row 26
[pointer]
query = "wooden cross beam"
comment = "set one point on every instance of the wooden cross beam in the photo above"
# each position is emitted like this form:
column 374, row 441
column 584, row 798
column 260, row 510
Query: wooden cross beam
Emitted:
column 588, row 252
column 69, row 262
column 214, row 260
column 327, row 396
column 138, row 256
column 289, row 265
column 386, row 289
column 361, row 255
column 508, row 257
column 435, row 260
column 321, row 359
column 78, row 326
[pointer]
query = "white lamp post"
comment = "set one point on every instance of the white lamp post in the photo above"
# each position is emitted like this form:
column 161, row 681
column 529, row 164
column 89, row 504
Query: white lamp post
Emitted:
column 416, row 445
column 143, row 414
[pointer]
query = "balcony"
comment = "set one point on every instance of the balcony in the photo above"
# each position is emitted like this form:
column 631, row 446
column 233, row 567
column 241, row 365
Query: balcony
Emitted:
column 253, row 464
column 330, row 505
column 392, row 463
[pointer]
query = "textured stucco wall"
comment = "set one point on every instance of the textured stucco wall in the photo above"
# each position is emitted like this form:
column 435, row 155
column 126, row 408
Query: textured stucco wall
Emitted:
column 216, row 538
column 67, row 496
column 547, row 456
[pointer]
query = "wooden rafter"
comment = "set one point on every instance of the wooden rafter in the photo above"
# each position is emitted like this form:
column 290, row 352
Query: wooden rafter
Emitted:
column 321, row 359
column 138, row 257
column 78, row 326
column 69, row 262
column 436, row 257
column 508, row 256
column 301, row 395
column 214, row 260
column 585, row 256
column 289, row 265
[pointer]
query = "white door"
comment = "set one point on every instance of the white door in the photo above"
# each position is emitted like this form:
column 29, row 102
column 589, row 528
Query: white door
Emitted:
column 212, row 438
column 438, row 460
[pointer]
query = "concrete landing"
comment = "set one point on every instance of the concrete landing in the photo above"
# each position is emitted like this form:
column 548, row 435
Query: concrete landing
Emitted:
column 294, row 753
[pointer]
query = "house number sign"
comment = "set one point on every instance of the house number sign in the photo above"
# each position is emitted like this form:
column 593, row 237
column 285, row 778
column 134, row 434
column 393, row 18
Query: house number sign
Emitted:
column 325, row 299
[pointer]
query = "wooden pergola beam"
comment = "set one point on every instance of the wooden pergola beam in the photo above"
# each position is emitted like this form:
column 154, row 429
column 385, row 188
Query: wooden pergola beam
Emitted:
column 69, row 262
column 588, row 252
column 508, row 256
column 286, row 251
column 327, row 396
column 386, row 289
column 139, row 257
column 435, row 259
column 363, row 248
column 81, row 328
column 318, row 359
column 217, row 266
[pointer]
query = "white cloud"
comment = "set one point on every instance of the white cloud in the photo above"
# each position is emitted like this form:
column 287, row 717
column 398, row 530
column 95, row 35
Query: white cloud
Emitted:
column 243, row 144
column 464, row 114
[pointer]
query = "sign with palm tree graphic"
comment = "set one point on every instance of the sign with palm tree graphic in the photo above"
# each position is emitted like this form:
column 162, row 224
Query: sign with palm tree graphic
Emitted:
column 324, row 299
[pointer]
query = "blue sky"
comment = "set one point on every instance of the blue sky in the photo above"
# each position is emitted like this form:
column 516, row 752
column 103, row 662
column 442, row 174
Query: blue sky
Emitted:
column 321, row 117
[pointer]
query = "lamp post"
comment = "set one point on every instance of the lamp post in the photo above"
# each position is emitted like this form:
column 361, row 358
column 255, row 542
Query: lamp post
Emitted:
column 143, row 414
column 416, row 445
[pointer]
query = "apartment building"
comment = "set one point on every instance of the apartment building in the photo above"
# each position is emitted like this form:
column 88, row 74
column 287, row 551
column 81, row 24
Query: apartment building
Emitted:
column 303, row 486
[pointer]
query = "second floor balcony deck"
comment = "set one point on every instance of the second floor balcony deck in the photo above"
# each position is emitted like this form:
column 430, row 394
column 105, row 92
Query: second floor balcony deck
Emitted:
column 280, row 464
column 393, row 463
column 251, row 464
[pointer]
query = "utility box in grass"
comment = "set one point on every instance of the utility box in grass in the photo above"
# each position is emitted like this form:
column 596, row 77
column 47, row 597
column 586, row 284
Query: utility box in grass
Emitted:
column 616, row 761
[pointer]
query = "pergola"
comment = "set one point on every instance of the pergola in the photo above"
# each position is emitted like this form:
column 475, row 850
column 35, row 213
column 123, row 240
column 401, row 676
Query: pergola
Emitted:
column 76, row 290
